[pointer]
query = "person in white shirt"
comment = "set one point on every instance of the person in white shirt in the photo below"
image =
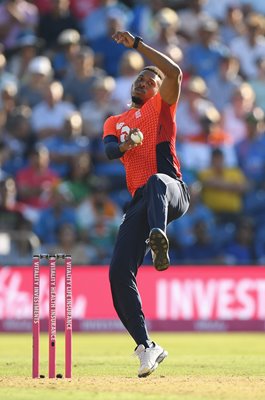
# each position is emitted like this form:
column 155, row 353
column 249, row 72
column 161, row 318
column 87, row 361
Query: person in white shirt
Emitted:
column 49, row 116
column 130, row 65
column 250, row 47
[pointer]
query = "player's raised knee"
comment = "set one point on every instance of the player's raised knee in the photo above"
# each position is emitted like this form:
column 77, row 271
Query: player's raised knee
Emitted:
column 155, row 180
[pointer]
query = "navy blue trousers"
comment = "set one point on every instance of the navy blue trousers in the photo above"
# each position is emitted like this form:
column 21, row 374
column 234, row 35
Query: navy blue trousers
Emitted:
column 154, row 205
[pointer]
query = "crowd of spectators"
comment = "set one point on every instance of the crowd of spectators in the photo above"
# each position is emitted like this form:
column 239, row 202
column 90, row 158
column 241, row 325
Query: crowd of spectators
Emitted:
column 61, row 76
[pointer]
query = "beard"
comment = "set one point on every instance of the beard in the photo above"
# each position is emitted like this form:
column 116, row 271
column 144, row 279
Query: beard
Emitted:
column 137, row 100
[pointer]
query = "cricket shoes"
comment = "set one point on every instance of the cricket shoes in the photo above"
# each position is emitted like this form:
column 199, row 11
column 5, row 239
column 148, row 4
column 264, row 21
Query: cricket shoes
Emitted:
column 159, row 244
column 149, row 358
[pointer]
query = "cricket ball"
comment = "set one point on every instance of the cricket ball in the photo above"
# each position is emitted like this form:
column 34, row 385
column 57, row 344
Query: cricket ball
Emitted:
column 137, row 137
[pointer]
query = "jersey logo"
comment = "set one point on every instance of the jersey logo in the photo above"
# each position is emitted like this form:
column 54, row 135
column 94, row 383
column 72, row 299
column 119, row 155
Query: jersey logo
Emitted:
column 138, row 114
column 119, row 125
column 124, row 133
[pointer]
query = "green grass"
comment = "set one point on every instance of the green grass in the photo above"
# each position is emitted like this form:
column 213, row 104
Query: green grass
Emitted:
column 199, row 367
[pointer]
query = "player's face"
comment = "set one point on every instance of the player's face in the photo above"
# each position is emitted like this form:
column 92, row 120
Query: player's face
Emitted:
column 145, row 86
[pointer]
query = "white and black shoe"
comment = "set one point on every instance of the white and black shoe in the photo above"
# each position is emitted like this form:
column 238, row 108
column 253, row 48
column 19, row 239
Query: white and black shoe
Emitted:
column 159, row 244
column 149, row 358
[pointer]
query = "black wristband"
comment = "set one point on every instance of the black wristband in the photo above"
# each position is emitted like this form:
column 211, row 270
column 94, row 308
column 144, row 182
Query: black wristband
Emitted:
column 137, row 39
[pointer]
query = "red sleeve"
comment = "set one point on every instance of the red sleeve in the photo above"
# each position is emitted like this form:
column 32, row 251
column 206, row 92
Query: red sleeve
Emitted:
column 157, row 103
column 110, row 127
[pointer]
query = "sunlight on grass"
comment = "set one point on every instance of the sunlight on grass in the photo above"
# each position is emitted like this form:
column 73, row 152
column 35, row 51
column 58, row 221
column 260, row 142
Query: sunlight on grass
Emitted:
column 199, row 367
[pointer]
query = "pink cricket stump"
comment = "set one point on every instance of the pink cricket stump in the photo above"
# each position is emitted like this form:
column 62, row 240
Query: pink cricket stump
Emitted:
column 36, row 318
column 68, row 316
column 52, row 316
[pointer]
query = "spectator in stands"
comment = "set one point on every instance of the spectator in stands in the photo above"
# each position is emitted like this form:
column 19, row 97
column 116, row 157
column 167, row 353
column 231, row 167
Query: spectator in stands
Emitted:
column 16, row 248
column 82, row 8
column 69, row 42
column 108, row 55
column 143, row 18
column 11, row 211
column 95, row 111
column 167, row 39
column 17, row 239
column 4, row 156
column 68, row 242
column 58, row 214
column 223, row 189
column 181, row 232
column 251, row 150
column 36, row 181
column 260, row 245
column 241, row 250
column 190, row 18
column 5, row 76
column 48, row 117
column 78, row 85
column 101, row 237
column 258, row 83
column 81, row 180
column 19, row 139
column 196, row 152
column 43, row 6
column 8, row 99
column 251, row 157
column 39, row 75
column 217, row 9
column 57, row 19
column 251, row 46
column 222, row 85
column 91, row 27
column 203, row 57
column 254, row 6
column 16, row 16
column 233, row 116
column 67, row 144
column 205, row 249
column 189, row 124
column 130, row 65
column 28, row 46
column 232, row 25
column 96, row 207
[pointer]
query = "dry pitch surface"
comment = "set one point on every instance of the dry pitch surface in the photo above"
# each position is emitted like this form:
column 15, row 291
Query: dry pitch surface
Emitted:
column 199, row 367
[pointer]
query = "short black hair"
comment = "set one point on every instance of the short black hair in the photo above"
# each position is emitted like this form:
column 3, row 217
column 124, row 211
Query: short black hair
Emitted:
column 155, row 70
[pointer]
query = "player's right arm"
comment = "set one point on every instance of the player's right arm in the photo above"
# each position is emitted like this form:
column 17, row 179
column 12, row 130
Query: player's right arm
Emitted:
column 170, row 87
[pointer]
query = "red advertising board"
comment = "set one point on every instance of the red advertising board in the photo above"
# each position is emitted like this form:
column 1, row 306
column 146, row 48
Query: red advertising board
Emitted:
column 181, row 298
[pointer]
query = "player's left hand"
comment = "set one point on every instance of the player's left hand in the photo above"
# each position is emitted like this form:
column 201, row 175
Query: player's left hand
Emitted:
column 125, row 38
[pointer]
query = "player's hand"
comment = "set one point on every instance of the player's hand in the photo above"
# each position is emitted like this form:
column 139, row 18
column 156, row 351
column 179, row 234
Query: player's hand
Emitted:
column 125, row 38
column 129, row 144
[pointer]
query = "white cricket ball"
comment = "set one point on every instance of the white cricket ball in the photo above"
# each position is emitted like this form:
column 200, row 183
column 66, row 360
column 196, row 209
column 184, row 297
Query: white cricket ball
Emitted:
column 137, row 137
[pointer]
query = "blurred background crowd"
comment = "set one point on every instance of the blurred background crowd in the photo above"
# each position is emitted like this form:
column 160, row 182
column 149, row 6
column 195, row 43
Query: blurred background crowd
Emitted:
column 61, row 76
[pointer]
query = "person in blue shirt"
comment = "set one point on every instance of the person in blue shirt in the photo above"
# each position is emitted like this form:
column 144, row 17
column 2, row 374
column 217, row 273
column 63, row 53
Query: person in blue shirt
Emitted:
column 203, row 57
column 107, row 53
column 95, row 24
column 251, row 150
column 241, row 250
column 52, row 218
column 67, row 145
